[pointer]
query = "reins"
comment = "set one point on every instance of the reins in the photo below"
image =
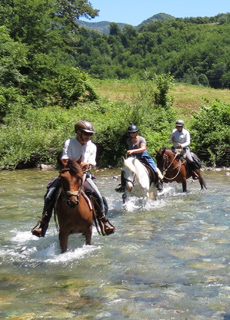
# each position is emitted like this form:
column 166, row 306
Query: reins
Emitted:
column 179, row 167
column 128, row 180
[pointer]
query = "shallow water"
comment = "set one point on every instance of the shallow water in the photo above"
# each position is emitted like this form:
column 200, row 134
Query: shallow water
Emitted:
column 168, row 259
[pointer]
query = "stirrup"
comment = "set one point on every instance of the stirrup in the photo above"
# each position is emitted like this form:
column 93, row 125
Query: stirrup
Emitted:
column 105, row 229
column 41, row 230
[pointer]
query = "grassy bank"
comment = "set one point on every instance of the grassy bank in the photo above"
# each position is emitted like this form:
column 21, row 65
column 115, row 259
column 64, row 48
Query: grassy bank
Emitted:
column 30, row 136
column 187, row 98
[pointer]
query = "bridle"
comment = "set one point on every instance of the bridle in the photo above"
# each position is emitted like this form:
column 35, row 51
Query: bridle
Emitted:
column 167, row 164
column 131, row 181
column 67, row 194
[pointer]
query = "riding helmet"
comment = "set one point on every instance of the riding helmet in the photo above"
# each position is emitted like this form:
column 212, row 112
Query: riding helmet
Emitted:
column 132, row 128
column 179, row 123
column 84, row 126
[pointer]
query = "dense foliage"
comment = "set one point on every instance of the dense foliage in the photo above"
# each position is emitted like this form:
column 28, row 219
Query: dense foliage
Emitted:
column 210, row 131
column 193, row 50
column 36, row 38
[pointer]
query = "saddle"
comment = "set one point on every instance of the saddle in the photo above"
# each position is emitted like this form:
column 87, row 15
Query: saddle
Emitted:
column 153, row 177
column 196, row 161
column 196, row 164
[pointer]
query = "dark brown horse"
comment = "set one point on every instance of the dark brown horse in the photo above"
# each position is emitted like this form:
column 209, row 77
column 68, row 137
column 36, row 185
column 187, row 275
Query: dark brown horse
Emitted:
column 174, row 168
column 74, row 210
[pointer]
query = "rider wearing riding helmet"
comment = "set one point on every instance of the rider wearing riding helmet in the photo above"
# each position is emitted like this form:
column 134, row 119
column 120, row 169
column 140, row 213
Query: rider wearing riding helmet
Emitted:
column 78, row 148
column 137, row 148
column 180, row 138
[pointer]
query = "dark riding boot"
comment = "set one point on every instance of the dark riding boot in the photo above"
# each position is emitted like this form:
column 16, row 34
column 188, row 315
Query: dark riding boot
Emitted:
column 121, row 186
column 159, row 185
column 158, row 182
column 193, row 170
column 49, row 201
column 44, row 222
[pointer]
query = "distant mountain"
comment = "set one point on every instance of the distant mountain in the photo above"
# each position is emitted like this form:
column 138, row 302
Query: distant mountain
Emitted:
column 103, row 26
column 156, row 17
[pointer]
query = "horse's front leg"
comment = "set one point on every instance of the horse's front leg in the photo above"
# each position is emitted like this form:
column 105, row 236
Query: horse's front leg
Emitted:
column 184, row 184
column 124, row 196
column 63, row 240
column 88, row 236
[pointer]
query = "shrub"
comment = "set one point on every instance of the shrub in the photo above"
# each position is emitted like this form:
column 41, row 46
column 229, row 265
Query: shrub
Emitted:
column 210, row 130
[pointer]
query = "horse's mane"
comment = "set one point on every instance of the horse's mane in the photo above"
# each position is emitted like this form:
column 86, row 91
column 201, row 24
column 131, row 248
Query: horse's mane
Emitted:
column 75, row 168
column 129, row 164
column 162, row 151
column 139, row 169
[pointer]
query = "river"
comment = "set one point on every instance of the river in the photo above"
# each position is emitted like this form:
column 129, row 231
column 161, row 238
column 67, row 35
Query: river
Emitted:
column 168, row 259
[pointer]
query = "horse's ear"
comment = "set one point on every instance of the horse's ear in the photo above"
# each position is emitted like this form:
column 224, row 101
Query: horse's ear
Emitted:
column 79, row 160
column 63, row 162
column 123, row 159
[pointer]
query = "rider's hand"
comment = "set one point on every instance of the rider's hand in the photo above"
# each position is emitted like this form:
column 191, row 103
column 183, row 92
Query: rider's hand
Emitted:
column 129, row 152
column 85, row 166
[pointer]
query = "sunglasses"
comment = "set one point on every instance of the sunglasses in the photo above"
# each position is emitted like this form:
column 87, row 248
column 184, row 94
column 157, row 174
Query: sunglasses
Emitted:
column 87, row 134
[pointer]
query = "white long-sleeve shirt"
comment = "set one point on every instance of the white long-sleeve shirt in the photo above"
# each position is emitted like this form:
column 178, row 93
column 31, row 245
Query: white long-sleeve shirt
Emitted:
column 74, row 150
column 182, row 138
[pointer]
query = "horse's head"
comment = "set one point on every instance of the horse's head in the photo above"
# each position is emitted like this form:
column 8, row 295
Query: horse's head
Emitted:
column 129, row 173
column 160, row 158
column 71, row 177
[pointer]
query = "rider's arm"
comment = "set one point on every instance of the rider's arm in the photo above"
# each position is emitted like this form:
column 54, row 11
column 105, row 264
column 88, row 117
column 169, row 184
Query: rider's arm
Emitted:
column 173, row 138
column 186, row 142
column 89, row 154
column 139, row 150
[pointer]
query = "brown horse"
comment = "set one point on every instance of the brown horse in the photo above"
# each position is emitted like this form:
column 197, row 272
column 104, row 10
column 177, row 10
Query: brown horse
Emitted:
column 175, row 169
column 74, row 210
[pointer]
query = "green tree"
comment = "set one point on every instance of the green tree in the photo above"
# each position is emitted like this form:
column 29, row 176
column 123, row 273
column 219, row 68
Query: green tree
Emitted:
column 48, row 31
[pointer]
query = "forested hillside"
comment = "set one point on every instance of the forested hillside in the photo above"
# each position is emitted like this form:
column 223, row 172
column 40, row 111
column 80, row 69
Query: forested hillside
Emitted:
column 194, row 51
column 45, row 87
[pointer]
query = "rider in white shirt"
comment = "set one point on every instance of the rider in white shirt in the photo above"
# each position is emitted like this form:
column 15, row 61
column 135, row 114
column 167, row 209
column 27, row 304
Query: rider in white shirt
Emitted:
column 78, row 148
column 180, row 138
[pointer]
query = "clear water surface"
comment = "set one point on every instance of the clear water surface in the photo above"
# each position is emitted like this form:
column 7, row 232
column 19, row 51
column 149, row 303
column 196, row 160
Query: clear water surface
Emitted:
column 168, row 259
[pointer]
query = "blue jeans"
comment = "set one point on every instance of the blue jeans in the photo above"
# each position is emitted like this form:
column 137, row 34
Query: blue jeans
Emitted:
column 147, row 158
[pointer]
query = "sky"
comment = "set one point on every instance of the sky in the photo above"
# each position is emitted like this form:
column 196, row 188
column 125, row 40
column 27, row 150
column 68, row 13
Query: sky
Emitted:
column 133, row 12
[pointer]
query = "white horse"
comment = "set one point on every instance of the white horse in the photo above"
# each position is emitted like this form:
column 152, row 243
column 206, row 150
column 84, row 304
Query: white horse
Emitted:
column 137, row 180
